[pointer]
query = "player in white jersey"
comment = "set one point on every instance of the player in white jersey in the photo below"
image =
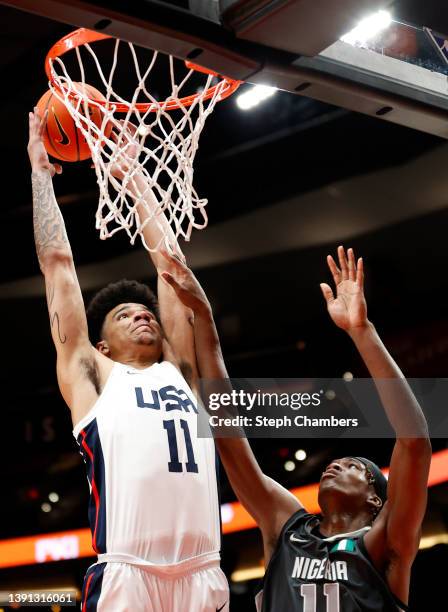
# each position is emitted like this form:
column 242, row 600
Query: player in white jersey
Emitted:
column 153, row 511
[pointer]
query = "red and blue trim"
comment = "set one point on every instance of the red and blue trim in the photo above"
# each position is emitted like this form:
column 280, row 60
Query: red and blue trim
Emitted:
column 92, row 453
column 91, row 589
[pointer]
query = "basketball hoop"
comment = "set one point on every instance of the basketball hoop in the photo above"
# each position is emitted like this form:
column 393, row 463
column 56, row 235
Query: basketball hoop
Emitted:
column 153, row 142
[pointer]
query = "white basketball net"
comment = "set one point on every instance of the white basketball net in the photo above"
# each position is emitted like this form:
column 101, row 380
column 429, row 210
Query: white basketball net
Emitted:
column 160, row 149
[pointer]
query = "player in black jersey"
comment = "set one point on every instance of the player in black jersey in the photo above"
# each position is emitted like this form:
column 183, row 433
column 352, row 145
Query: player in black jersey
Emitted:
column 358, row 555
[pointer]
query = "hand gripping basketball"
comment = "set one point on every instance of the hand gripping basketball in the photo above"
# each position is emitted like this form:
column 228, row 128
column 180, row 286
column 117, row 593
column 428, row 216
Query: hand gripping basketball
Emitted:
column 62, row 137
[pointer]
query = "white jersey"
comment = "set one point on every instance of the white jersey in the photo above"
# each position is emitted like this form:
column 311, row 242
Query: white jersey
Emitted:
column 153, row 485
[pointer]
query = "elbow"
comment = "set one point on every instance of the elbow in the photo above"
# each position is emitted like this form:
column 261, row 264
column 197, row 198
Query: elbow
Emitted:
column 419, row 447
column 52, row 258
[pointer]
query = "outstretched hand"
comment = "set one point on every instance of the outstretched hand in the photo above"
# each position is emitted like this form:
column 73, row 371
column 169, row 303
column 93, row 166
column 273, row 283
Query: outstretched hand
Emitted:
column 36, row 149
column 185, row 284
column 348, row 309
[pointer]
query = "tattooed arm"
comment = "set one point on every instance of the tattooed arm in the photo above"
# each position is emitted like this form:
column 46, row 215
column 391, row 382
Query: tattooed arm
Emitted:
column 65, row 304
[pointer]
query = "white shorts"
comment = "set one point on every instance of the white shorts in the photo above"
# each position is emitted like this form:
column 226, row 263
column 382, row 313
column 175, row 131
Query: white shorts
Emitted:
column 129, row 587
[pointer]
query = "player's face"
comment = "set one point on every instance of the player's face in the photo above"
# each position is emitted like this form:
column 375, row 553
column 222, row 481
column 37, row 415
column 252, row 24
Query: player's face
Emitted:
column 130, row 325
column 346, row 477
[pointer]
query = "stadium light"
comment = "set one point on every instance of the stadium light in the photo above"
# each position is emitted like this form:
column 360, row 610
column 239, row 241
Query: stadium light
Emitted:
column 300, row 455
column 368, row 28
column 252, row 97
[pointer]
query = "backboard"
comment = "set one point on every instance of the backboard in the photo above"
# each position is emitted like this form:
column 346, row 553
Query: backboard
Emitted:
column 398, row 74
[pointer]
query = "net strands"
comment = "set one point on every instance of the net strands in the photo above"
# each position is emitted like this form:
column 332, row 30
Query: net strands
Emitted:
column 144, row 156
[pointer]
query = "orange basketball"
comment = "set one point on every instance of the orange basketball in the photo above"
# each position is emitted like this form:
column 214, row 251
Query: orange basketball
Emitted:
column 62, row 139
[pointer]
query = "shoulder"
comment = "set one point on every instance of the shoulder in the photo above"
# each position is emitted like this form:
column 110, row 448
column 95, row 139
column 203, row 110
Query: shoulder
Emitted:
column 292, row 537
column 300, row 518
column 182, row 367
column 298, row 523
column 82, row 381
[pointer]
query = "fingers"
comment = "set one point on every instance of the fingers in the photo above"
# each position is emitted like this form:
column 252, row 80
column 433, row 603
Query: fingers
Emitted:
column 128, row 125
column 343, row 263
column 360, row 273
column 34, row 118
column 130, row 130
column 172, row 282
column 348, row 267
column 351, row 265
column 114, row 136
column 327, row 292
column 36, row 122
column 40, row 119
column 169, row 257
column 173, row 258
column 122, row 139
column 42, row 123
column 336, row 273
column 169, row 279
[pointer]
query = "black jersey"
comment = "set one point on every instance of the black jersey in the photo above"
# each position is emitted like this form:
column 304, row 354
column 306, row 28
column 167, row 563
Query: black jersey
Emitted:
column 310, row 573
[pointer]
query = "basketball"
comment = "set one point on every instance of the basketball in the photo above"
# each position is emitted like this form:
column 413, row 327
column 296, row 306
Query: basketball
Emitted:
column 62, row 139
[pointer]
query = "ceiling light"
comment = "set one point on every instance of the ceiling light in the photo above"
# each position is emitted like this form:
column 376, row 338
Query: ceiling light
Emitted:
column 252, row 97
column 368, row 28
column 300, row 455
column 289, row 466
column 227, row 513
column 249, row 573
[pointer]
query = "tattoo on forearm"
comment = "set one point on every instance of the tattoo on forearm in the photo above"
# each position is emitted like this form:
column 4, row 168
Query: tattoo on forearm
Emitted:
column 49, row 228
column 54, row 315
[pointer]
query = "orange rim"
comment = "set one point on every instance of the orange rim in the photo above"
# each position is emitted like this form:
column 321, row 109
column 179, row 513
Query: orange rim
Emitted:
column 83, row 36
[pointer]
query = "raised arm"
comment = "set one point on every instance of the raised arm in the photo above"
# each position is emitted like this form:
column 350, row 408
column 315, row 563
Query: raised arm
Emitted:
column 267, row 501
column 65, row 304
column 395, row 536
column 176, row 318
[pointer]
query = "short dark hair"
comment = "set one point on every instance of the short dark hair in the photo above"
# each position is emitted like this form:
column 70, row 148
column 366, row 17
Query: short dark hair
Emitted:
column 122, row 292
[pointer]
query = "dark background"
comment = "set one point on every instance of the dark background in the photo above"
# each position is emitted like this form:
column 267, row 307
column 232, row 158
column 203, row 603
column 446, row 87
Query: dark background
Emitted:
column 303, row 177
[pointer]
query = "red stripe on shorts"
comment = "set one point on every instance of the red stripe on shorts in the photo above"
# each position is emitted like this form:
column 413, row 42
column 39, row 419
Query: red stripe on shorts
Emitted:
column 96, row 497
column 84, row 603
